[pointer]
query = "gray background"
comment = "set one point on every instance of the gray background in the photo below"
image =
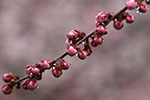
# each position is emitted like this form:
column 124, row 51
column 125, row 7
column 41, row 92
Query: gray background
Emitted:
column 32, row 30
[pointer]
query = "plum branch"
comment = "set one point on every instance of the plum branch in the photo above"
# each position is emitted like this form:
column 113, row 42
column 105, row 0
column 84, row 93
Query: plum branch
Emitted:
column 75, row 38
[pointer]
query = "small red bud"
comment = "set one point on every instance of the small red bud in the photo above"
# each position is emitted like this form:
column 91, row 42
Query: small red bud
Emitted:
column 72, row 34
column 32, row 85
column 101, row 30
column 93, row 43
column 28, row 69
column 97, row 24
column 130, row 19
column 131, row 4
column 24, row 84
column 82, row 54
column 101, row 17
column 147, row 1
column 7, row 77
column 143, row 8
column 65, row 65
column 98, row 40
column 89, row 51
column 6, row 89
column 68, row 42
column 57, row 72
column 118, row 25
column 35, row 70
column 71, row 50
column 44, row 64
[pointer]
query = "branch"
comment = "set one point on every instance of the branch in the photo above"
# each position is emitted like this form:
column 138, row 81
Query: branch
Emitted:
column 75, row 38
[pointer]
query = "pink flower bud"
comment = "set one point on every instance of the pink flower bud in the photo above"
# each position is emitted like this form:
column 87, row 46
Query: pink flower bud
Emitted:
column 68, row 42
column 35, row 70
column 93, row 43
column 143, row 8
column 97, row 24
column 7, row 77
column 131, row 4
column 82, row 54
column 118, row 25
column 28, row 69
column 32, row 85
column 89, row 51
column 130, row 19
column 101, row 17
column 71, row 50
column 147, row 1
column 65, row 65
column 72, row 34
column 98, row 40
column 6, row 89
column 24, row 84
column 57, row 72
column 101, row 30
column 44, row 64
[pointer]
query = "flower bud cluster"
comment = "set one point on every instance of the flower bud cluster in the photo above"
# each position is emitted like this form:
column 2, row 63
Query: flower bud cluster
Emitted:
column 35, row 74
column 97, row 38
column 72, row 49
column 94, row 40
column 118, row 22
column 131, row 5
column 30, row 84
column 137, row 4
column 10, row 79
column 58, row 67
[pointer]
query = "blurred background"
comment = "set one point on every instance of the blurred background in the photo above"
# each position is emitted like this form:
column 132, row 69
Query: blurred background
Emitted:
column 32, row 30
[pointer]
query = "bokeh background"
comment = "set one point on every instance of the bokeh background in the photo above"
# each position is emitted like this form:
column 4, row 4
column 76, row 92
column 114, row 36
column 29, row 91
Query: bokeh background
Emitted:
column 32, row 30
